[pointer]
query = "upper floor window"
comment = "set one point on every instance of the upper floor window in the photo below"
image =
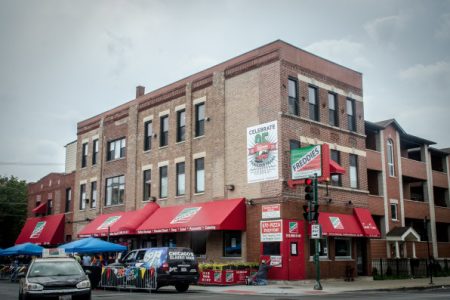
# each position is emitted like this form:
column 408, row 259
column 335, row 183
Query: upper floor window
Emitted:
column 390, row 157
column 333, row 109
column 335, row 178
column 94, row 152
column 164, row 131
column 68, row 199
column 353, row 171
column 163, row 182
column 199, row 175
column 180, row 178
column 181, row 125
column 147, row 179
column 293, row 96
column 199, row 119
column 148, row 133
column 394, row 211
column 49, row 206
column 351, row 115
column 84, row 154
column 294, row 144
column 93, row 194
column 313, row 103
column 116, row 149
column 82, row 196
column 115, row 190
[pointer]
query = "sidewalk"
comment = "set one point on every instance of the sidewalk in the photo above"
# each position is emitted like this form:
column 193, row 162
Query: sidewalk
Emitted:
column 330, row 286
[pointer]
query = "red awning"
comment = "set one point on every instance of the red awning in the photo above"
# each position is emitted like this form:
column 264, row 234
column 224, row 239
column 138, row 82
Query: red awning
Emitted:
column 339, row 225
column 40, row 209
column 367, row 223
column 48, row 230
column 226, row 214
column 119, row 223
column 335, row 168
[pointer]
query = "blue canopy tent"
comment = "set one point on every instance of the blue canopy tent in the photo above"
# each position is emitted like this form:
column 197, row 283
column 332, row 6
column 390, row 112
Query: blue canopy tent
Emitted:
column 92, row 245
column 22, row 249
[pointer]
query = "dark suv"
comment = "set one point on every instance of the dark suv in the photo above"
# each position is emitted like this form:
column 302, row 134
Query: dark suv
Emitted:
column 174, row 266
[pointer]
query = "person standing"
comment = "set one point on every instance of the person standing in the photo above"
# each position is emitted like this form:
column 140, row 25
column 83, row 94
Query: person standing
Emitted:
column 86, row 260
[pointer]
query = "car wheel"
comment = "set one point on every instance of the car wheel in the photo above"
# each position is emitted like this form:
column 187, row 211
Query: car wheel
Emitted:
column 182, row 287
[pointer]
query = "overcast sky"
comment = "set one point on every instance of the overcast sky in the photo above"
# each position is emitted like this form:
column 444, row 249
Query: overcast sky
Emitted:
column 64, row 61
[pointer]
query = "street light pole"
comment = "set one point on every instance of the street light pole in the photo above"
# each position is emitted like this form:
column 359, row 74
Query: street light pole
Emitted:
column 430, row 270
column 317, row 286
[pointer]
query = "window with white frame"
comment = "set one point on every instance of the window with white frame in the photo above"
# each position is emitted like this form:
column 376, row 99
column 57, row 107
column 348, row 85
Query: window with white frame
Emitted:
column 163, row 182
column 343, row 247
column 200, row 175
column 390, row 157
column 164, row 131
column 93, row 194
column 82, row 196
column 148, row 134
column 180, row 178
column 351, row 115
column 84, row 155
column 181, row 125
column 323, row 247
column 68, row 199
column 335, row 155
column 200, row 119
column 116, row 149
column 313, row 103
column 293, row 96
column 394, row 211
column 94, row 152
column 115, row 190
column 353, row 171
column 333, row 109
column 147, row 180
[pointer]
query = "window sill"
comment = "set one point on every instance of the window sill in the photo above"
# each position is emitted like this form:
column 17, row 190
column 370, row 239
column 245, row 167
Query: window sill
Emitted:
column 113, row 205
column 180, row 196
column 147, row 151
column 199, row 193
column 116, row 159
column 163, row 199
column 344, row 258
column 163, row 147
column 180, row 142
column 232, row 257
column 198, row 137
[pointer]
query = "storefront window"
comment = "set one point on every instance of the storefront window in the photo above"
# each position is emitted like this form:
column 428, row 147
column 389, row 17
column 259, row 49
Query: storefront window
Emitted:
column 198, row 242
column 343, row 247
column 271, row 248
column 232, row 244
column 323, row 248
column 169, row 240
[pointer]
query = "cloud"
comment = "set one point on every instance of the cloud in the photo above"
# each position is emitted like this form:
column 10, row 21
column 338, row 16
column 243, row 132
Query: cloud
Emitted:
column 443, row 32
column 385, row 30
column 343, row 51
column 436, row 74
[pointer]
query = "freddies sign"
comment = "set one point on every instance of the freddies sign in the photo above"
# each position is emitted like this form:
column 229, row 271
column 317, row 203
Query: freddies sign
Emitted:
column 306, row 161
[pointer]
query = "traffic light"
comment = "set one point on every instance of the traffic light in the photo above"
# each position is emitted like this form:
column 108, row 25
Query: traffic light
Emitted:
column 315, row 213
column 306, row 212
column 309, row 189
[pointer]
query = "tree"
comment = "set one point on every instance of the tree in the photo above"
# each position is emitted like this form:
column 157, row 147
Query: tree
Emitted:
column 13, row 209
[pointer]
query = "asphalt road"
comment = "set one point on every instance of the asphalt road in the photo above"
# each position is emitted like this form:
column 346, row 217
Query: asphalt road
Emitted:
column 10, row 291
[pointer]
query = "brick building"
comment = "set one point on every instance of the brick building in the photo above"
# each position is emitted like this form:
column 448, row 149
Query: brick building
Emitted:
column 205, row 162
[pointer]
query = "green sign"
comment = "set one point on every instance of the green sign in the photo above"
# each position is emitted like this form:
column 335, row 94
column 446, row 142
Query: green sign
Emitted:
column 306, row 162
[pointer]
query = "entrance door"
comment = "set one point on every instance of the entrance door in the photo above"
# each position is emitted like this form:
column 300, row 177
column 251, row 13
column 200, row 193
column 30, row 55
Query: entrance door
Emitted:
column 361, row 256
column 294, row 250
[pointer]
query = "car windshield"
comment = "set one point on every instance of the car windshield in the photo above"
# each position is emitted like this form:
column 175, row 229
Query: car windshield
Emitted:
column 55, row 268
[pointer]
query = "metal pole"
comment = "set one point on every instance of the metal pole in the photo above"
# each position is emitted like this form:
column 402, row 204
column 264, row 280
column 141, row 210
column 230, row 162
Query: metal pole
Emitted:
column 109, row 230
column 430, row 270
column 317, row 286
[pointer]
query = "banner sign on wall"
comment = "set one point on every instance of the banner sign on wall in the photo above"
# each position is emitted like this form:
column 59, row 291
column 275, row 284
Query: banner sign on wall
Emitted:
column 271, row 211
column 272, row 231
column 306, row 161
column 262, row 152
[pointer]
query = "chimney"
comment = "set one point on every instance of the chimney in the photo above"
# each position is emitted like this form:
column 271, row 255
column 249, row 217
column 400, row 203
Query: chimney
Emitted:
column 140, row 90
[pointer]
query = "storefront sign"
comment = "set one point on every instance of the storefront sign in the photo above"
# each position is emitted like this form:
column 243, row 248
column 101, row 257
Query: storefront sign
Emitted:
column 336, row 222
column 262, row 152
column 38, row 229
column 185, row 215
column 293, row 230
column 275, row 261
column 271, row 211
column 271, row 231
column 108, row 222
column 316, row 231
column 306, row 162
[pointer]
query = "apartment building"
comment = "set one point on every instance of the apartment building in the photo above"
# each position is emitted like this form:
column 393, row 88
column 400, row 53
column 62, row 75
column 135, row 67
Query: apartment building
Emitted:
column 205, row 162
column 408, row 184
